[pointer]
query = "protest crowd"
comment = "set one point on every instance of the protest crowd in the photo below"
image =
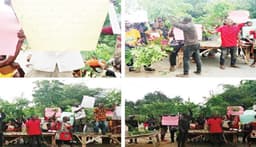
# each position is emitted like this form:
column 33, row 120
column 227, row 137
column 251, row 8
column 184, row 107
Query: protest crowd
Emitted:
column 237, row 126
column 63, row 127
column 188, row 41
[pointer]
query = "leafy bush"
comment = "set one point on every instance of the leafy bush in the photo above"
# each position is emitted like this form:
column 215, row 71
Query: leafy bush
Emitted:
column 147, row 55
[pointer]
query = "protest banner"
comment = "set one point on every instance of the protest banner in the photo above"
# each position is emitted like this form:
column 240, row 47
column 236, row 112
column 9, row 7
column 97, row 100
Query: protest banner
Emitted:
column 239, row 16
column 49, row 112
column 235, row 110
column 170, row 120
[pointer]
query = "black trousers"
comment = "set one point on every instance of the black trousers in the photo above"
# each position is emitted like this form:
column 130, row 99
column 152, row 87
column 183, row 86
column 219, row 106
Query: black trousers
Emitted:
column 173, row 54
column 1, row 139
column 35, row 141
column 182, row 138
column 224, row 52
column 216, row 139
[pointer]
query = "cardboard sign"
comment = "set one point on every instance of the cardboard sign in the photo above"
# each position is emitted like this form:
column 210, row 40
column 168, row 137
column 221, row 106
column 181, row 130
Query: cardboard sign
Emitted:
column 109, row 114
column 9, row 27
column 118, row 111
column 88, row 102
column 60, row 25
column 113, row 20
column 246, row 31
column 137, row 16
column 70, row 115
column 49, row 112
column 239, row 16
column 78, row 112
column 170, row 120
column 179, row 35
column 235, row 110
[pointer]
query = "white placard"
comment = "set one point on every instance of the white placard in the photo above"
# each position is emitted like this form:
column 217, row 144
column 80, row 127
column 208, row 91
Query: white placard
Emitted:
column 118, row 111
column 61, row 25
column 88, row 102
column 9, row 27
column 113, row 19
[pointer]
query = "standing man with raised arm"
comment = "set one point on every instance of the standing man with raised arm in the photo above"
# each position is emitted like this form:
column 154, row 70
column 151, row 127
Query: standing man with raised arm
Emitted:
column 229, row 40
column 191, row 45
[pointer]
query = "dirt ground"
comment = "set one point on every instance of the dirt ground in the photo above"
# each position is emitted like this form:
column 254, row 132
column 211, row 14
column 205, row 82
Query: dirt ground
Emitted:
column 168, row 144
column 143, row 142
column 89, row 145
column 210, row 68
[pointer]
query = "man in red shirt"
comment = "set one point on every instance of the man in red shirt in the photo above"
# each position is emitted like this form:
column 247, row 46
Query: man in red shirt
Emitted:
column 229, row 36
column 215, row 128
column 34, row 131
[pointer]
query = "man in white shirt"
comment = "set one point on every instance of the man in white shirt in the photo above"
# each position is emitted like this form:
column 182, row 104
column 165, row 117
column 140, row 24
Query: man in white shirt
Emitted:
column 55, row 64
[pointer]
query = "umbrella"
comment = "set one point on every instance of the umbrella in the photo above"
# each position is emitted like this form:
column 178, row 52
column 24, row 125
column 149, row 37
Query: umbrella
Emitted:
column 9, row 28
column 248, row 117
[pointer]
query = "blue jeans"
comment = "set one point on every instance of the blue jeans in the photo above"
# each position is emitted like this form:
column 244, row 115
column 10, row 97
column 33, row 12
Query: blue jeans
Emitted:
column 188, row 51
column 101, row 125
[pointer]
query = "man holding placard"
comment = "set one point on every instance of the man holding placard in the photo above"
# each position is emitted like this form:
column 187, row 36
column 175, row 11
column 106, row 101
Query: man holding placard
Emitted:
column 57, row 36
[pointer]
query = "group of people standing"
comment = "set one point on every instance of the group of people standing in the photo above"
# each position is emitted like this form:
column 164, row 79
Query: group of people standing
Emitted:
column 63, row 129
column 229, row 34
column 216, row 125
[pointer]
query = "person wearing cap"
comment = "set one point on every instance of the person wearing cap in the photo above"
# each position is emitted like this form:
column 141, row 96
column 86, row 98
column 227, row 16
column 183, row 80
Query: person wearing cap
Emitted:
column 191, row 45
column 2, row 117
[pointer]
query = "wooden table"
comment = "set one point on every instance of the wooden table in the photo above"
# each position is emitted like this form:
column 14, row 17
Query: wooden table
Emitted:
column 83, row 136
column 209, row 46
column 246, row 49
column 153, row 135
column 206, row 132
column 19, row 135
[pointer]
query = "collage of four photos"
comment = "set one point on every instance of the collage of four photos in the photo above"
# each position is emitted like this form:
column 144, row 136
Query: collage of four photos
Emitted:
column 128, row 73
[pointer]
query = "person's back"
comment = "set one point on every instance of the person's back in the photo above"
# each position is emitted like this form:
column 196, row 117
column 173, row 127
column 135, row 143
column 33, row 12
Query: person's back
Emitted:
column 215, row 125
column 184, row 124
column 189, row 30
column 33, row 127
column 190, row 34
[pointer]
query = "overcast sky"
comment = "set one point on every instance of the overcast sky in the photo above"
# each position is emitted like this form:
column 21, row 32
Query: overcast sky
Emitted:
column 12, row 88
column 195, row 89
